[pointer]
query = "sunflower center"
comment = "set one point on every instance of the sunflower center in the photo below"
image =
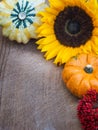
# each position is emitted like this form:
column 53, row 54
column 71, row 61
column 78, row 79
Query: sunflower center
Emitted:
column 73, row 26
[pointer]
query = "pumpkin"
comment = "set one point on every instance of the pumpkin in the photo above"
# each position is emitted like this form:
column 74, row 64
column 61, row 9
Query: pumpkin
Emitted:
column 80, row 74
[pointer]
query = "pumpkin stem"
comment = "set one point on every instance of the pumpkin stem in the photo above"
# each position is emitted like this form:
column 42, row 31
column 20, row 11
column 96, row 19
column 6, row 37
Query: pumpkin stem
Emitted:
column 88, row 69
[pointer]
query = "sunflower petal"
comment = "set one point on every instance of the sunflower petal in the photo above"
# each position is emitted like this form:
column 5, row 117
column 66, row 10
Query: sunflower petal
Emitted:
column 51, row 54
column 58, row 59
column 92, row 4
column 47, row 17
column 87, row 47
column 50, row 46
column 58, row 4
column 95, row 23
column 52, row 11
column 47, row 40
column 95, row 31
column 95, row 45
column 40, row 46
column 45, row 32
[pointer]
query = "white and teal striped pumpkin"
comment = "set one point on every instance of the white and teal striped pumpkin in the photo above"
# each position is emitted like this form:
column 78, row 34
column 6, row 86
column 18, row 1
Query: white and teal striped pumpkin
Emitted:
column 19, row 18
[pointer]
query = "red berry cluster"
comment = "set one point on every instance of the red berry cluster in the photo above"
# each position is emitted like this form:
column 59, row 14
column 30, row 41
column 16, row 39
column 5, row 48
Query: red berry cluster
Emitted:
column 88, row 110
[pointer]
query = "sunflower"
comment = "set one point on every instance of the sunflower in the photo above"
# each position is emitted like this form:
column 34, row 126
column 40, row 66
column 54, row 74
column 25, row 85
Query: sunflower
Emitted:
column 19, row 18
column 69, row 27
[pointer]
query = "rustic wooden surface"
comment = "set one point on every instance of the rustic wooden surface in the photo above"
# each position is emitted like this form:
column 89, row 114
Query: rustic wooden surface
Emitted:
column 32, row 93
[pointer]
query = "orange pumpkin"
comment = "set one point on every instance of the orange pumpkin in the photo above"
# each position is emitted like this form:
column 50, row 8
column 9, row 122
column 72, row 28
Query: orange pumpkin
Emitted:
column 81, row 74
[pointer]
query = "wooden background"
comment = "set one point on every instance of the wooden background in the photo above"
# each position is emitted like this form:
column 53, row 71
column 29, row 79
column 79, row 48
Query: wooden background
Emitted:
column 32, row 93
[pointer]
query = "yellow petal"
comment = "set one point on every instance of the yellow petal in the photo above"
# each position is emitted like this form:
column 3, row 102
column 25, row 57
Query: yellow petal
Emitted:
column 92, row 8
column 68, row 53
column 87, row 47
column 50, row 46
column 94, row 49
column 50, row 54
column 95, row 44
column 47, row 40
column 48, row 19
column 95, row 23
column 78, row 3
column 95, row 40
column 92, row 4
column 39, row 42
column 46, row 14
column 40, row 28
column 40, row 46
column 58, row 59
column 58, row 4
column 45, row 32
column 52, row 11
column 95, row 31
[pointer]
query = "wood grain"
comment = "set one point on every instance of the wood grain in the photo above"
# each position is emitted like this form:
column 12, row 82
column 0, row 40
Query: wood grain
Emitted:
column 32, row 93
